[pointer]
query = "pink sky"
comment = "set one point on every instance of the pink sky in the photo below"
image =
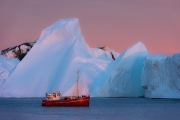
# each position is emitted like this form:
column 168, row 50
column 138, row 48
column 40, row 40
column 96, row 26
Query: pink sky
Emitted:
column 115, row 23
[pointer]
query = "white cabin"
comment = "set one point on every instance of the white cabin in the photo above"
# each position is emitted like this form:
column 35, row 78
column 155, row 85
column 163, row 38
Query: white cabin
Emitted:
column 53, row 96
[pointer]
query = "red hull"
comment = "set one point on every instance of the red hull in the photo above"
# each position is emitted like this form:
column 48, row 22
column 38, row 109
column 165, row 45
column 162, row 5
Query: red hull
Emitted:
column 82, row 101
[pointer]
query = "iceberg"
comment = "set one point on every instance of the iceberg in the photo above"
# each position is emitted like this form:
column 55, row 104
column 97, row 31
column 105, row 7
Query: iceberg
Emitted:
column 124, row 78
column 53, row 62
column 161, row 76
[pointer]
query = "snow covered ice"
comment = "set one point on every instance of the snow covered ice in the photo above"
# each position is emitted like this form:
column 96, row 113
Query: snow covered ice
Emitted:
column 53, row 61
column 161, row 76
column 7, row 66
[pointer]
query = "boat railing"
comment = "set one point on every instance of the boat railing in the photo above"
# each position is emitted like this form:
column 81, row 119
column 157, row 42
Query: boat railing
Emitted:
column 72, row 97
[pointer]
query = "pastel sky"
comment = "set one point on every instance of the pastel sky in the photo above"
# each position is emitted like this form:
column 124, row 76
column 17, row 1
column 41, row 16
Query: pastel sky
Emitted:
column 115, row 23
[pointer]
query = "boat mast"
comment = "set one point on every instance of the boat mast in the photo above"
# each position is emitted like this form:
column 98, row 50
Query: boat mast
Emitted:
column 77, row 91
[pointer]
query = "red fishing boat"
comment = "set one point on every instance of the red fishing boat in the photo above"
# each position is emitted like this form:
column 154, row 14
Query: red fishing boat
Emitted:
column 55, row 99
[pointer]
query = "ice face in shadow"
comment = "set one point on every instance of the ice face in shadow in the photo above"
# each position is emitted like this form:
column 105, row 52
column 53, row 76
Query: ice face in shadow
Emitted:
column 161, row 76
column 124, row 78
column 53, row 62
column 7, row 66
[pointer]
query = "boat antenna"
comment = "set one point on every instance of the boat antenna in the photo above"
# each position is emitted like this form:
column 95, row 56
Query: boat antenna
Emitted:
column 77, row 91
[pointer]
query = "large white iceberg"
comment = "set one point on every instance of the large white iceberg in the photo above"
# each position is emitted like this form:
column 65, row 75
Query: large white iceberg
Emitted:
column 54, row 61
column 161, row 76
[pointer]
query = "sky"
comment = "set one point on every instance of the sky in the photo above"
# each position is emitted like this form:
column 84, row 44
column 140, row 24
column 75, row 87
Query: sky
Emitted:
column 115, row 23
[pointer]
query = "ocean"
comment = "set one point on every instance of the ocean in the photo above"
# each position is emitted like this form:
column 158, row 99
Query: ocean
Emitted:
column 99, row 109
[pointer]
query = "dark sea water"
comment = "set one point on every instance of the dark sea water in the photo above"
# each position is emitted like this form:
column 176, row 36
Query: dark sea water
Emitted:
column 99, row 109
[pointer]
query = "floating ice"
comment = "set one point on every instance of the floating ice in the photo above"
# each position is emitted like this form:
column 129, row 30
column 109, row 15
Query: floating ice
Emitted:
column 161, row 76
column 125, row 75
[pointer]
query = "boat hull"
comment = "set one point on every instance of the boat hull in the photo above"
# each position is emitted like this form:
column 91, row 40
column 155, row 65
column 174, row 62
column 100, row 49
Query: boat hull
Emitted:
column 77, row 102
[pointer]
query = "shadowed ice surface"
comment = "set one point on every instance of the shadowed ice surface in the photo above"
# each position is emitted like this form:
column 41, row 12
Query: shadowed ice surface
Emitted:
column 100, row 108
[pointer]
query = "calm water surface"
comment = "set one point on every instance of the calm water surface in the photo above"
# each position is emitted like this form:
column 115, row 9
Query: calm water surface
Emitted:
column 100, row 108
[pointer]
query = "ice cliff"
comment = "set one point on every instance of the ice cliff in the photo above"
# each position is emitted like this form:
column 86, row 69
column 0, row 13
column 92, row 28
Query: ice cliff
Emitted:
column 161, row 76
column 124, row 75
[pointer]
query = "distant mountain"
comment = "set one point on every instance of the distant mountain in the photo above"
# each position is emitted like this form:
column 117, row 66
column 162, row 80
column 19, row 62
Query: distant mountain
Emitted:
column 19, row 51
